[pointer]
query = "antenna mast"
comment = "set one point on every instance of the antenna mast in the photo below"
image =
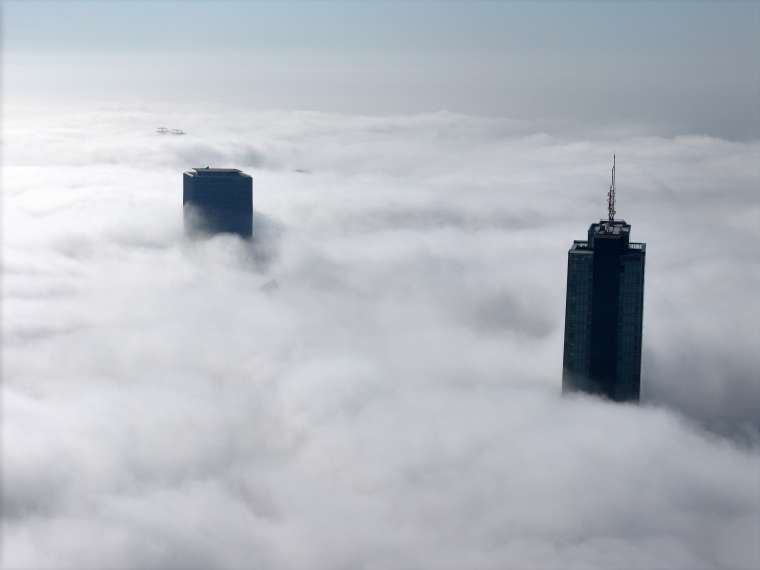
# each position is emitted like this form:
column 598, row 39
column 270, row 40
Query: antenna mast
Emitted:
column 611, row 194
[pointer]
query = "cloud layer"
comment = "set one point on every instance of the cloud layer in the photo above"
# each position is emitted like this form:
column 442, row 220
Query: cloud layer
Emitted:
column 393, row 402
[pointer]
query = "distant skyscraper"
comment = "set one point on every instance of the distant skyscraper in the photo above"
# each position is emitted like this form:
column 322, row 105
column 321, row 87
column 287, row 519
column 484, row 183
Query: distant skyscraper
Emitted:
column 604, row 308
column 218, row 200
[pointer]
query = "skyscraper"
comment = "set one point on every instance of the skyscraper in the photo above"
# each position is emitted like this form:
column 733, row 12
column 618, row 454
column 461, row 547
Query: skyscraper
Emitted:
column 604, row 309
column 218, row 200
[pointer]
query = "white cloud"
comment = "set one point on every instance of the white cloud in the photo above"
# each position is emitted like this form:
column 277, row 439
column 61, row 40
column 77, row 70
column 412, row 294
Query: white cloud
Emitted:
column 394, row 403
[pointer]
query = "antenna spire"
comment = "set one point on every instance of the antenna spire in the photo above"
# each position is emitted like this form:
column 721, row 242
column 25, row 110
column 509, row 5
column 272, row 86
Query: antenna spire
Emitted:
column 611, row 194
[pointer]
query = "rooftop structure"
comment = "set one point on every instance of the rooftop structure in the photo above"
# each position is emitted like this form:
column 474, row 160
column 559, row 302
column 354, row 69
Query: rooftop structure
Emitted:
column 209, row 171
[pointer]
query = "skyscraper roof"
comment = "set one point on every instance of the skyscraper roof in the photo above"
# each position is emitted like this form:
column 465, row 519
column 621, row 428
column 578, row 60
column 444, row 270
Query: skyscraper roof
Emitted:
column 209, row 171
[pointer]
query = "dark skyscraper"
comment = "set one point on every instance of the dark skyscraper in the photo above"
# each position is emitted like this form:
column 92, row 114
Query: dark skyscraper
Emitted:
column 603, row 315
column 218, row 200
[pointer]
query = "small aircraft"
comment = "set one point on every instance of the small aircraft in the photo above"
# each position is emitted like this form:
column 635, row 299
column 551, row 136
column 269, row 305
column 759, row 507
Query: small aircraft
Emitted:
column 162, row 130
column 177, row 132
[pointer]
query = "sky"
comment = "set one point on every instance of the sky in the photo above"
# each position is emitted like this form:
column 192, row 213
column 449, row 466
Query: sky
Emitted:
column 374, row 381
column 677, row 67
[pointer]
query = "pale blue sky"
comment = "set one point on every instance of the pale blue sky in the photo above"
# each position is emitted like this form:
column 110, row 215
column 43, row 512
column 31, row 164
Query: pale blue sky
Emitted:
column 680, row 66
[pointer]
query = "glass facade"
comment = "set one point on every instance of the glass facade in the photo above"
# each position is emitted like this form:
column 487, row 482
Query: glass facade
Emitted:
column 603, row 315
column 629, row 325
column 577, row 365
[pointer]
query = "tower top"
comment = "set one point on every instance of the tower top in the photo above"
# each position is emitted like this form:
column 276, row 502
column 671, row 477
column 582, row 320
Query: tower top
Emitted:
column 208, row 171
column 611, row 194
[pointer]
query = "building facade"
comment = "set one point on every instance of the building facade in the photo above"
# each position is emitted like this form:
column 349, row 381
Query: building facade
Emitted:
column 217, row 200
column 604, row 313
